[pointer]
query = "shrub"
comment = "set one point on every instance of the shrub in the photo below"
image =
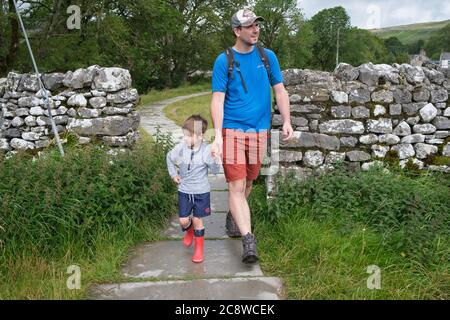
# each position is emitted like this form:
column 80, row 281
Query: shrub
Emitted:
column 411, row 212
column 51, row 201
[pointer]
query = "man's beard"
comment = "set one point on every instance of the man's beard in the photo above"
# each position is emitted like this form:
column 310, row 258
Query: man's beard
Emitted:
column 250, row 43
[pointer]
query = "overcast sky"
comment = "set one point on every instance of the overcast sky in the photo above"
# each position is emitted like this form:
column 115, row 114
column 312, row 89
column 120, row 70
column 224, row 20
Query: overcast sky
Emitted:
column 372, row 14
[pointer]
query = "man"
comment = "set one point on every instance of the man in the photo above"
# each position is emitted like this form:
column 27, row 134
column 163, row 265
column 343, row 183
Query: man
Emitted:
column 241, row 110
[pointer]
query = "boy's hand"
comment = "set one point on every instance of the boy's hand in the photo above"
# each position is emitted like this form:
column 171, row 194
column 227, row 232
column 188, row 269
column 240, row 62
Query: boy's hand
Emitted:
column 177, row 179
column 216, row 147
column 217, row 159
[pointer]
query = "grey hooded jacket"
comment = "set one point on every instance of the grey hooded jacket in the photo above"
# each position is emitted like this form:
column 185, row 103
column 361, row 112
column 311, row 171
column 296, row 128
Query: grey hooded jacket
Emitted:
column 192, row 166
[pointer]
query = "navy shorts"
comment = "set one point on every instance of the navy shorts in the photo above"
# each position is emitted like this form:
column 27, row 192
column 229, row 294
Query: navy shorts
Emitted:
column 199, row 204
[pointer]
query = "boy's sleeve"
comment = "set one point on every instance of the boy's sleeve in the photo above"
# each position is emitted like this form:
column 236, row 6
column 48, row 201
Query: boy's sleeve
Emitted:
column 275, row 70
column 220, row 74
column 171, row 161
column 210, row 162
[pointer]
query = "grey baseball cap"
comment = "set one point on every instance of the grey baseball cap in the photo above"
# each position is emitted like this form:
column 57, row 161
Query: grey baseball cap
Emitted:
column 244, row 18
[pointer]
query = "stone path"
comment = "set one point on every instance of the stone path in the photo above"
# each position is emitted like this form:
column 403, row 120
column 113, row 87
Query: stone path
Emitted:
column 164, row 270
column 153, row 116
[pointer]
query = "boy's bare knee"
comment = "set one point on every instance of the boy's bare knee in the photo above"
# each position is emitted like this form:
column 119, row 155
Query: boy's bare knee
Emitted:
column 198, row 223
column 184, row 221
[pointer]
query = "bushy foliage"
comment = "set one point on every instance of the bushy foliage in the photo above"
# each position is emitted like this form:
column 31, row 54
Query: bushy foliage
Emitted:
column 49, row 201
column 411, row 211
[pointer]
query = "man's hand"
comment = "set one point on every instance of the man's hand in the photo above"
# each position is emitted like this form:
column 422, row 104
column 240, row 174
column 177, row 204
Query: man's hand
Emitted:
column 177, row 179
column 287, row 131
column 216, row 147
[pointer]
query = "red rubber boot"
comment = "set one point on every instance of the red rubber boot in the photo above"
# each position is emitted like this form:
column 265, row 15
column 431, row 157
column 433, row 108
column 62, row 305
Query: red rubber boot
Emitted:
column 198, row 249
column 188, row 236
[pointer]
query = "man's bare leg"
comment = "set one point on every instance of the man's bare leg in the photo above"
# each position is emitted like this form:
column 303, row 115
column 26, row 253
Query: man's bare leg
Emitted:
column 237, row 193
column 248, row 187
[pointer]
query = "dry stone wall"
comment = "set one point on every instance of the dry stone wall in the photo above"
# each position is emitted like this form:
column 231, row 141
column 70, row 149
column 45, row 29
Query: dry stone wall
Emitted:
column 93, row 103
column 361, row 115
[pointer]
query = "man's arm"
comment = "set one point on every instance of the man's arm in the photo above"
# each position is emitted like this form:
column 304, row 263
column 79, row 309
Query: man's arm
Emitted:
column 217, row 103
column 282, row 99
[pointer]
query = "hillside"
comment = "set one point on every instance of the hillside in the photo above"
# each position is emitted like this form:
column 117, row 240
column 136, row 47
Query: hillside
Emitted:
column 410, row 33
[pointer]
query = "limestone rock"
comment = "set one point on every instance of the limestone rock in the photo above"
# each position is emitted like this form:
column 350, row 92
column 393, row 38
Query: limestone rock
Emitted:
column 424, row 128
column 404, row 150
column 53, row 81
column 357, row 155
column 383, row 96
column 382, row 125
column 428, row 112
column 360, row 112
column 441, row 123
column 423, row 150
column 341, row 111
column 413, row 75
column 308, row 140
column 77, row 100
column 413, row 138
column 112, row 79
column 20, row 144
column 402, row 96
column 313, row 158
column 346, row 72
column 342, row 126
column 439, row 95
column 124, row 96
column 339, row 97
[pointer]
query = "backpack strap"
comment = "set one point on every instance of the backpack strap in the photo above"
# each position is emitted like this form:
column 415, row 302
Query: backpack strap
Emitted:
column 263, row 56
column 230, row 66
column 230, row 61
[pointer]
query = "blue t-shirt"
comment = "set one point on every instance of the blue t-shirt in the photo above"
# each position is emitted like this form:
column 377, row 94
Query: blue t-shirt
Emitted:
column 249, row 110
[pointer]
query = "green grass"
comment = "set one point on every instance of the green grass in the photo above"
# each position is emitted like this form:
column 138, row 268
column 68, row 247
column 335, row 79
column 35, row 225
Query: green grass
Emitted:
column 86, row 209
column 179, row 111
column 319, row 237
column 409, row 34
column 34, row 276
column 160, row 95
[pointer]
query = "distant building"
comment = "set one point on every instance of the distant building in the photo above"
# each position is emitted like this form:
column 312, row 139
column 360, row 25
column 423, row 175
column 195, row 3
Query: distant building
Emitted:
column 444, row 61
column 418, row 60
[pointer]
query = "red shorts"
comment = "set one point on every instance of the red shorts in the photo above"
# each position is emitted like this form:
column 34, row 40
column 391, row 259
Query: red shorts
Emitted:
column 243, row 153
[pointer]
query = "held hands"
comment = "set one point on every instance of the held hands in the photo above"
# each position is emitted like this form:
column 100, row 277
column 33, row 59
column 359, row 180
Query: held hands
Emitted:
column 177, row 179
column 216, row 148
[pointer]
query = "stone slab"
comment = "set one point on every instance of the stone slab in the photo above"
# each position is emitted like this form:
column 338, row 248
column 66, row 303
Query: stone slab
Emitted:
column 217, row 182
column 219, row 201
column 214, row 227
column 260, row 288
column 170, row 259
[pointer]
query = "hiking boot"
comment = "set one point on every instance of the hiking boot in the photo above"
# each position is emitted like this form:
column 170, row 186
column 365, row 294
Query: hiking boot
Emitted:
column 249, row 253
column 231, row 228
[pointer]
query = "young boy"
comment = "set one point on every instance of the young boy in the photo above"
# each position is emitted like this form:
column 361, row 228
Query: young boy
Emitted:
column 193, row 157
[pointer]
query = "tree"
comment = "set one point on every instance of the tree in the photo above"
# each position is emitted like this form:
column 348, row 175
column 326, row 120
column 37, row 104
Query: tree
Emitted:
column 299, row 48
column 325, row 25
column 9, row 35
column 397, row 52
column 438, row 42
column 361, row 46
column 282, row 20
